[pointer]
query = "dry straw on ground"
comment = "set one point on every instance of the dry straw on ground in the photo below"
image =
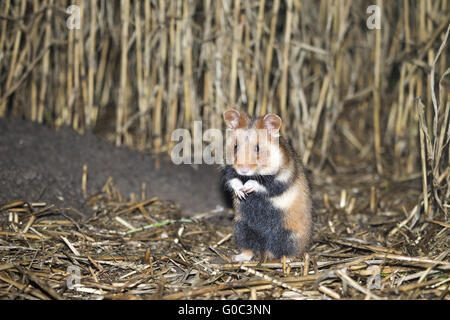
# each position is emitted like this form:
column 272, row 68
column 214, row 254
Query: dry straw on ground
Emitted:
column 145, row 250
column 368, row 110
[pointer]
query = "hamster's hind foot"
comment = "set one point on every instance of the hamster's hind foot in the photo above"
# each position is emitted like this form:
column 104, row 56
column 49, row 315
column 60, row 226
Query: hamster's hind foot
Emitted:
column 244, row 256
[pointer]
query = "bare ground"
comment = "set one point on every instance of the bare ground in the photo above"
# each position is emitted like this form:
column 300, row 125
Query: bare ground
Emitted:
column 40, row 164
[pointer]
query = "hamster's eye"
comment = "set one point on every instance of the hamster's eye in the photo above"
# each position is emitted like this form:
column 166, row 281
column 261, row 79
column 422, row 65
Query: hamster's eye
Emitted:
column 257, row 148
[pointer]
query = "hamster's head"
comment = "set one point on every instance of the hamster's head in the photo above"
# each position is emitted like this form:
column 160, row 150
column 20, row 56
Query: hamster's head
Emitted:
column 252, row 145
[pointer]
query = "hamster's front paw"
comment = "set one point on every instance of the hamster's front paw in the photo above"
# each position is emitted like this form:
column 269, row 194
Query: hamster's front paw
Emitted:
column 240, row 194
column 253, row 186
column 237, row 186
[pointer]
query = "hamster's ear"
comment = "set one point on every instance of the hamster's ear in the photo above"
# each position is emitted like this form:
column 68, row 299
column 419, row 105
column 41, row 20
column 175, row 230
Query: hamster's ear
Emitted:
column 231, row 118
column 272, row 123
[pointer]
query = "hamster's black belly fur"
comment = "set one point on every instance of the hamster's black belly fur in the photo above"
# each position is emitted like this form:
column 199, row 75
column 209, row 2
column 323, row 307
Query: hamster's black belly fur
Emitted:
column 261, row 228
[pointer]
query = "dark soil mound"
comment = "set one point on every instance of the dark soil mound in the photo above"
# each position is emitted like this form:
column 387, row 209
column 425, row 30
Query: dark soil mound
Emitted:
column 40, row 164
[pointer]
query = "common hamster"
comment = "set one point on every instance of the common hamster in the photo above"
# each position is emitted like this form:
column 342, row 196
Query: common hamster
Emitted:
column 271, row 192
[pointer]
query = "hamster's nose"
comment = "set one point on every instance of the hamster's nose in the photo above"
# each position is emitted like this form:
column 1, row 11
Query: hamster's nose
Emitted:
column 244, row 169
